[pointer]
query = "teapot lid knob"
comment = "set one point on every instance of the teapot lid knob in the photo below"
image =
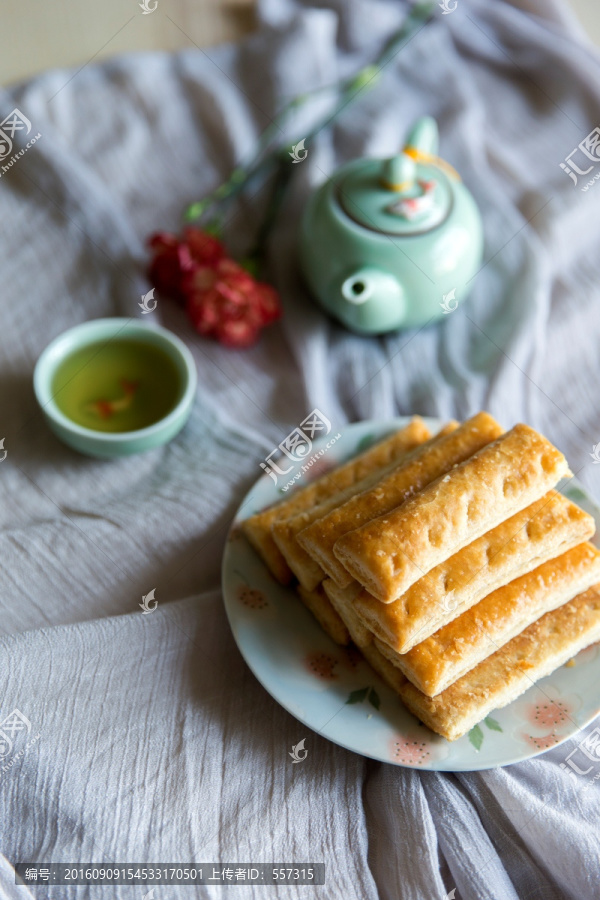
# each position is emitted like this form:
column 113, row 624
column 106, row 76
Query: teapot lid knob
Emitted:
column 398, row 173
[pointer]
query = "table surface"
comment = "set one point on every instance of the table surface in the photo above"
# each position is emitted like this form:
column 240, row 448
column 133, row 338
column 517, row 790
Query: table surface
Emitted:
column 72, row 32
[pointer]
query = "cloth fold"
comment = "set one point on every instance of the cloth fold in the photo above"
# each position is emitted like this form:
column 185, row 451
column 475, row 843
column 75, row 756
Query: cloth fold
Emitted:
column 156, row 742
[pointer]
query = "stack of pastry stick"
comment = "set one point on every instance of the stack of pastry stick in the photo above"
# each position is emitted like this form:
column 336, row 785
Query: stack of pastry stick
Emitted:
column 449, row 560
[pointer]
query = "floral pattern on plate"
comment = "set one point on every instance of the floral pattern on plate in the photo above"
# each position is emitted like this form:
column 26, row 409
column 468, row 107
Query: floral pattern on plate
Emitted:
column 547, row 715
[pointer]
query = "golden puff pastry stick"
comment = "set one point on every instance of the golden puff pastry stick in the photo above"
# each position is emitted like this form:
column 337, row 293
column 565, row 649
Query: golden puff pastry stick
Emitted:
column 440, row 660
column 428, row 462
column 393, row 551
column 547, row 644
column 325, row 614
column 541, row 531
column 285, row 531
column 257, row 528
column 342, row 601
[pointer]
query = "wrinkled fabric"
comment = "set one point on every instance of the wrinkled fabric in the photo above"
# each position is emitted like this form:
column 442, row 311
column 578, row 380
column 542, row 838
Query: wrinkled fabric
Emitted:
column 156, row 743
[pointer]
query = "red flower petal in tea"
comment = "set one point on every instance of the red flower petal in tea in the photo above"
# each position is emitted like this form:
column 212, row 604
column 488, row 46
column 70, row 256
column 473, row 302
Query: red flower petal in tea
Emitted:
column 107, row 408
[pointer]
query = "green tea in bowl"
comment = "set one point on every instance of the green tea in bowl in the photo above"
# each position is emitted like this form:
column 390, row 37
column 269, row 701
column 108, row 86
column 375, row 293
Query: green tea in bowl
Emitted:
column 116, row 385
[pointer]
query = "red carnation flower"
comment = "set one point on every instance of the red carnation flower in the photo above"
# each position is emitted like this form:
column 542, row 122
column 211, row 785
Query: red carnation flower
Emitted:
column 222, row 299
column 173, row 258
column 227, row 303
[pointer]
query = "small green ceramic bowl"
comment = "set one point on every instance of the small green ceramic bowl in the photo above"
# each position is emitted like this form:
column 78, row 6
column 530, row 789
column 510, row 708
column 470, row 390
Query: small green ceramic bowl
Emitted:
column 117, row 334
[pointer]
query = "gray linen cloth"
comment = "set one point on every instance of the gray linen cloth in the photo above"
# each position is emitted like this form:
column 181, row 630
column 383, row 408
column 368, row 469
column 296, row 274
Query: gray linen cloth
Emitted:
column 155, row 741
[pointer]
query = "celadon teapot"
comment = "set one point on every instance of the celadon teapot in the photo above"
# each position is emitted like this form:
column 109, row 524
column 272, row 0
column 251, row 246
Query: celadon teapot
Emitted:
column 392, row 243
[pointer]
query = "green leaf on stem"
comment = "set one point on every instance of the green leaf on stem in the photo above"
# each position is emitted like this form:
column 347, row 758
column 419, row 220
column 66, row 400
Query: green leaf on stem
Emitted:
column 251, row 265
column 194, row 211
column 213, row 228
column 237, row 176
column 222, row 191
column 367, row 77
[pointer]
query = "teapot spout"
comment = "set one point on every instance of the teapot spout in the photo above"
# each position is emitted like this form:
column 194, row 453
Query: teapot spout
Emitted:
column 374, row 300
column 369, row 283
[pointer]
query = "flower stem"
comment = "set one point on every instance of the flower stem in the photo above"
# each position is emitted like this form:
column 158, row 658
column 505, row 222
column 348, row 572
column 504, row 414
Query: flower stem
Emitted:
column 348, row 90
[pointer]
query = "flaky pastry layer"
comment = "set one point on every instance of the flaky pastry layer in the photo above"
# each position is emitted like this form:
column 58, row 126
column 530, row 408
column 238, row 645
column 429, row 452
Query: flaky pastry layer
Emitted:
column 390, row 553
column 501, row 678
column 541, row 531
column 285, row 531
column 342, row 601
column 257, row 528
column 458, row 647
column 434, row 458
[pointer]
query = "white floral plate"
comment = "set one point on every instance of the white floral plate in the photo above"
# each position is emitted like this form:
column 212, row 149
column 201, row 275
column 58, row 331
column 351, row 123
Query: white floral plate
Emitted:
column 332, row 691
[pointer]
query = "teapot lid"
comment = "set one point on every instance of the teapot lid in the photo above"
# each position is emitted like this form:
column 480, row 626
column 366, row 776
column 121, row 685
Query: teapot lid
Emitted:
column 401, row 195
column 407, row 194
